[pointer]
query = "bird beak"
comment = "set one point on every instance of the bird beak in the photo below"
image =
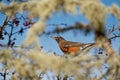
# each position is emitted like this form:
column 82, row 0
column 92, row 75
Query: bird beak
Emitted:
column 52, row 37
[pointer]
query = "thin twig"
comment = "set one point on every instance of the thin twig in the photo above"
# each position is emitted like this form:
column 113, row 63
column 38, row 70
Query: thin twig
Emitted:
column 116, row 36
column 4, row 23
column 112, row 30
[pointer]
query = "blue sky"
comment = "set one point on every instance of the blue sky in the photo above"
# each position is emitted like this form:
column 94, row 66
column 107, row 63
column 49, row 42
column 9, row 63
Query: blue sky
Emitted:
column 70, row 19
column 50, row 45
column 110, row 2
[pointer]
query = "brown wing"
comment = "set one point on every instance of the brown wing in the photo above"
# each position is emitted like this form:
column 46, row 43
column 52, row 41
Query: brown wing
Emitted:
column 76, row 44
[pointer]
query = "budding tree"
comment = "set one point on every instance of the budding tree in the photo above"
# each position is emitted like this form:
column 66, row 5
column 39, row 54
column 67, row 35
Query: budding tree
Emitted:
column 27, row 60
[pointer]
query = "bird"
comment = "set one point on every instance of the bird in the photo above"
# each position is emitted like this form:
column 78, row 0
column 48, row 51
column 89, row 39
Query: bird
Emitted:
column 71, row 48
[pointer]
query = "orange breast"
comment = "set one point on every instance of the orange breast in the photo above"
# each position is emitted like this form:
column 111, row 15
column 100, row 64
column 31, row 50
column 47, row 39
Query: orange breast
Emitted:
column 73, row 49
column 70, row 49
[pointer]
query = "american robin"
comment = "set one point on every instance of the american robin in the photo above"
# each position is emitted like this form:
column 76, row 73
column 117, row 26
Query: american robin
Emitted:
column 72, row 48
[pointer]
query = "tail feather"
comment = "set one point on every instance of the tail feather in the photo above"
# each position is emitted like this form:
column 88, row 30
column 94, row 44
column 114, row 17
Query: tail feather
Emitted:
column 86, row 48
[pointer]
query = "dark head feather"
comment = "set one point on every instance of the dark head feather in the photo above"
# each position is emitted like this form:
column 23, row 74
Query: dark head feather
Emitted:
column 58, row 38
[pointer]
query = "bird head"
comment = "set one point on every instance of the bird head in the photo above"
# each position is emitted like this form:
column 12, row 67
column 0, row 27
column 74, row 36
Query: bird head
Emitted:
column 58, row 38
